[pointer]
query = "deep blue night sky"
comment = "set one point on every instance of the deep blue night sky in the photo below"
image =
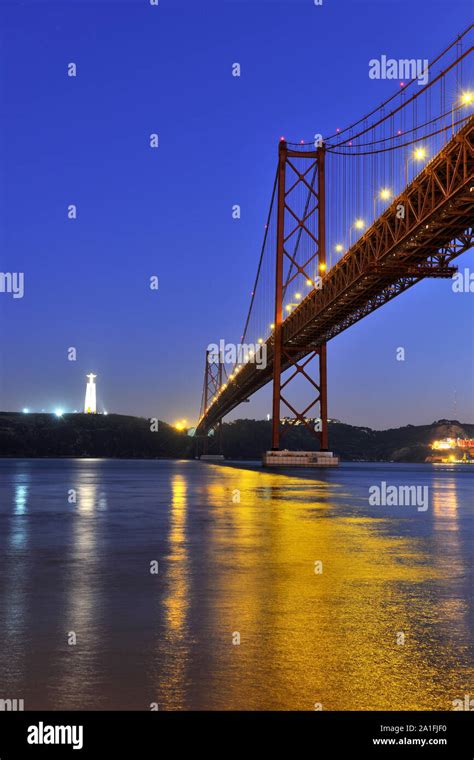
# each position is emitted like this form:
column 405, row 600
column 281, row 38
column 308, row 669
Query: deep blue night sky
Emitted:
column 141, row 212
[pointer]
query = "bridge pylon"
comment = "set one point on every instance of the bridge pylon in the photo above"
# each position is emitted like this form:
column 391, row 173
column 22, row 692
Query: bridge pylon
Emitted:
column 300, row 252
column 213, row 377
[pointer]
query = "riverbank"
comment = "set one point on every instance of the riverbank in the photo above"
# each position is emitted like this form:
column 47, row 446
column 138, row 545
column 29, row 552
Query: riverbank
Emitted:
column 118, row 436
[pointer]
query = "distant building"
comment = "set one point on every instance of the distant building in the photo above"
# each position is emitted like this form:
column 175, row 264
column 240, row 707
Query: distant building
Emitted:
column 449, row 450
column 308, row 420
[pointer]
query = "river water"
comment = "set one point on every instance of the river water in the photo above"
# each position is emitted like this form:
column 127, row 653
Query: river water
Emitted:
column 125, row 584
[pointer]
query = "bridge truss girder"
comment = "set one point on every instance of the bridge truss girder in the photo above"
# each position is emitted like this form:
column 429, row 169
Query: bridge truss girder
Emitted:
column 393, row 255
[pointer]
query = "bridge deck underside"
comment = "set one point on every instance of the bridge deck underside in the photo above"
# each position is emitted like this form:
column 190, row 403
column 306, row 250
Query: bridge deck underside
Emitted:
column 393, row 254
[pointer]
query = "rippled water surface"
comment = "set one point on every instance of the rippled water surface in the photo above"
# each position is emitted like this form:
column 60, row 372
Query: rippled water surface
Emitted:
column 236, row 549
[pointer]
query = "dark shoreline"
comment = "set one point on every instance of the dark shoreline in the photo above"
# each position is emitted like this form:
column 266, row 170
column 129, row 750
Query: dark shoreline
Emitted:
column 115, row 436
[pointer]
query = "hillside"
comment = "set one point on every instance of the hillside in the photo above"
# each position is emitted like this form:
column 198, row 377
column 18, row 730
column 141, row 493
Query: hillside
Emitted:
column 121, row 436
column 88, row 435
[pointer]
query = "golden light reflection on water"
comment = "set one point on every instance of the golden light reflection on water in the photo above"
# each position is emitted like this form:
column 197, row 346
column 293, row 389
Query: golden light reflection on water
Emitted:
column 445, row 504
column 176, row 600
column 447, row 532
column 237, row 550
column 309, row 638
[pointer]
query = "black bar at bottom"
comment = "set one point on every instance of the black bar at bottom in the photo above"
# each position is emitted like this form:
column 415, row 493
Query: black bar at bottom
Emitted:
column 323, row 734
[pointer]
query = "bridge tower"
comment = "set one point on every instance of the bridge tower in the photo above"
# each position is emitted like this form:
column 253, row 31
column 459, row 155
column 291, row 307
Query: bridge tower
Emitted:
column 299, row 170
column 213, row 378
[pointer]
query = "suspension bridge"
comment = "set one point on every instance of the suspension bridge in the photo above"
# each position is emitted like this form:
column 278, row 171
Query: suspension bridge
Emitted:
column 355, row 219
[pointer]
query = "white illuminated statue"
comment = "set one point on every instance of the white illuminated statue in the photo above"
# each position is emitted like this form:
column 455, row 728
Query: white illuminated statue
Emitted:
column 90, row 405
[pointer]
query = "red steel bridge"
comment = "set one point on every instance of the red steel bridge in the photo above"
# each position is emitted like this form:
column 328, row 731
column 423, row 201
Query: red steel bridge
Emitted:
column 355, row 219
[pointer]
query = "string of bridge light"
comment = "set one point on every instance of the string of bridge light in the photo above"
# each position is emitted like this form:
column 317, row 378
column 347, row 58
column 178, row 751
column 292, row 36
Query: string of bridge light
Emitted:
column 385, row 194
column 418, row 155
